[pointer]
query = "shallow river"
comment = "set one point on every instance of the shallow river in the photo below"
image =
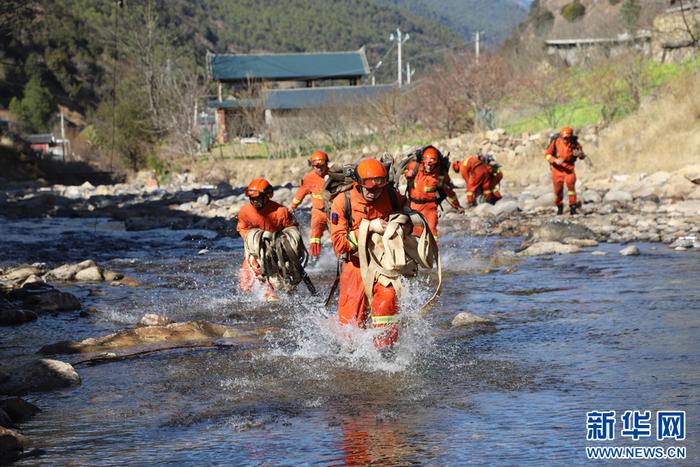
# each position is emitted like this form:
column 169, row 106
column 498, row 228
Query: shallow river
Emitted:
column 572, row 334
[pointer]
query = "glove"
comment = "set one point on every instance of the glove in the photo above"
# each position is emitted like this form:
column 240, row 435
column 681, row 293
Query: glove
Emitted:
column 460, row 209
column 315, row 249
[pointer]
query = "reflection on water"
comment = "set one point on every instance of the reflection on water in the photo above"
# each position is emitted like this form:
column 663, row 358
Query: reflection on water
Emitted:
column 572, row 334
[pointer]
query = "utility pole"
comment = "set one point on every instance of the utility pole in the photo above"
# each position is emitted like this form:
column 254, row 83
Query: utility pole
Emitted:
column 399, row 42
column 63, row 137
column 477, row 44
column 409, row 72
column 374, row 71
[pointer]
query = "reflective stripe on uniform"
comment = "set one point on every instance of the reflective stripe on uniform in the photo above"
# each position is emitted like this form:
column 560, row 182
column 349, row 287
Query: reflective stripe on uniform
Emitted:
column 429, row 189
column 383, row 320
column 314, row 240
column 351, row 238
column 314, row 195
column 548, row 157
column 487, row 192
column 571, row 193
column 296, row 201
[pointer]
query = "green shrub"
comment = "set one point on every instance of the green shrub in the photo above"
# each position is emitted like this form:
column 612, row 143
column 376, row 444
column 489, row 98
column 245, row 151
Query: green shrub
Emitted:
column 573, row 11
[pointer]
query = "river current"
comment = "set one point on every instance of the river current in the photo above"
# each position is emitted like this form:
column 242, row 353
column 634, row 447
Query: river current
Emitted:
column 570, row 334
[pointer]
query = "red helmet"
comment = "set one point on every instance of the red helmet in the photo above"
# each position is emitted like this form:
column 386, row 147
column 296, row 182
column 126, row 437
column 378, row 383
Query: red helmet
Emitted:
column 455, row 166
column 371, row 173
column 430, row 154
column 318, row 158
column 257, row 187
column 566, row 132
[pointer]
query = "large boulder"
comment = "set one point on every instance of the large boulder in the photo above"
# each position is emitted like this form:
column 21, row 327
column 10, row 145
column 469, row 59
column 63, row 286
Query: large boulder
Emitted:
column 549, row 248
column 191, row 331
column 677, row 187
column 38, row 375
column 20, row 274
column 631, row 250
column 93, row 273
column 558, row 230
column 67, row 272
column 505, row 207
column 617, row 196
column 18, row 409
column 10, row 316
column 12, row 443
column 41, row 297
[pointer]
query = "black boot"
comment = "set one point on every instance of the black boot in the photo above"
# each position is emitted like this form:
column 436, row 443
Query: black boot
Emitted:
column 560, row 210
column 572, row 209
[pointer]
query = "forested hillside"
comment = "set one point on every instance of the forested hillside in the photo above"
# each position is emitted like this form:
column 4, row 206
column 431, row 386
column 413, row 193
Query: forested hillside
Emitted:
column 494, row 18
column 69, row 46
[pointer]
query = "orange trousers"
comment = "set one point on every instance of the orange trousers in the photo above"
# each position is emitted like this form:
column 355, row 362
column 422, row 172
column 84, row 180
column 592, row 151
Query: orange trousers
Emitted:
column 430, row 212
column 559, row 179
column 318, row 226
column 249, row 276
column 352, row 305
column 479, row 182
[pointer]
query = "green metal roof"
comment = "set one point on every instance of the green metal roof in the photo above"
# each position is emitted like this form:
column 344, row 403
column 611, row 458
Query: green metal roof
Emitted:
column 301, row 66
column 299, row 98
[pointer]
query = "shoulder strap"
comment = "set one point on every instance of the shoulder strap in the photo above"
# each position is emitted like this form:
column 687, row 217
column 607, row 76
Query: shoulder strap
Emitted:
column 347, row 211
column 393, row 199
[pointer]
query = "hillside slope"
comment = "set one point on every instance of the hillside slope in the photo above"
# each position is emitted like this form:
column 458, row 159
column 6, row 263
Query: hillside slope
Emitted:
column 495, row 18
column 71, row 44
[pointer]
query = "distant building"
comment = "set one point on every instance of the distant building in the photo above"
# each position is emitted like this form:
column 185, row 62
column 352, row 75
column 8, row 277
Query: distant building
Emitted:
column 41, row 143
column 276, row 85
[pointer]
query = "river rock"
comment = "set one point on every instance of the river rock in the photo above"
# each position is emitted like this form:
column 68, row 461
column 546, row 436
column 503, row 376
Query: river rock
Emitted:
column 92, row 273
column 684, row 242
column 689, row 207
column 191, row 331
column 20, row 274
column 41, row 297
column 12, row 443
column 152, row 319
column 67, row 272
column 591, row 196
column 582, row 242
column 39, row 375
column 18, row 409
column 617, row 196
column 9, row 317
column 505, row 207
column 631, row 250
column 599, row 253
column 677, row 187
column 549, row 248
column 469, row 319
column 558, row 230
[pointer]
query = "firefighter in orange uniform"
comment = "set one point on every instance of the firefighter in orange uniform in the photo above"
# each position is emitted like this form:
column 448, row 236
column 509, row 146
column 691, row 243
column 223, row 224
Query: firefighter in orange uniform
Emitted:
column 428, row 185
column 480, row 177
column 370, row 198
column 561, row 155
column 260, row 213
column 313, row 183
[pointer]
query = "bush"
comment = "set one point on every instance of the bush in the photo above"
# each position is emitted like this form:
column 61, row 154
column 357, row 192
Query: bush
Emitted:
column 573, row 11
column 35, row 108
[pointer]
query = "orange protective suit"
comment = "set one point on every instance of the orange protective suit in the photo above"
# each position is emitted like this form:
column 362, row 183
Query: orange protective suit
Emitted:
column 560, row 154
column 424, row 189
column 272, row 217
column 352, row 302
column 313, row 183
column 480, row 179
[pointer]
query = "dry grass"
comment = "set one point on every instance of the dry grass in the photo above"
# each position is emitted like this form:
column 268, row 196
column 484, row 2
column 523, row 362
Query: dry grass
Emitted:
column 663, row 135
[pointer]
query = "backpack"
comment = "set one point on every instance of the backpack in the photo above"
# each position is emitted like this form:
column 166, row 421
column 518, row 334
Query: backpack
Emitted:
column 341, row 179
column 416, row 155
column 554, row 136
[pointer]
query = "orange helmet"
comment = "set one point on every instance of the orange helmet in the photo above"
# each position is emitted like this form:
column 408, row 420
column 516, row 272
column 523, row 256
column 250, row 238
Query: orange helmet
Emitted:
column 566, row 132
column 430, row 154
column 318, row 158
column 257, row 187
column 371, row 173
